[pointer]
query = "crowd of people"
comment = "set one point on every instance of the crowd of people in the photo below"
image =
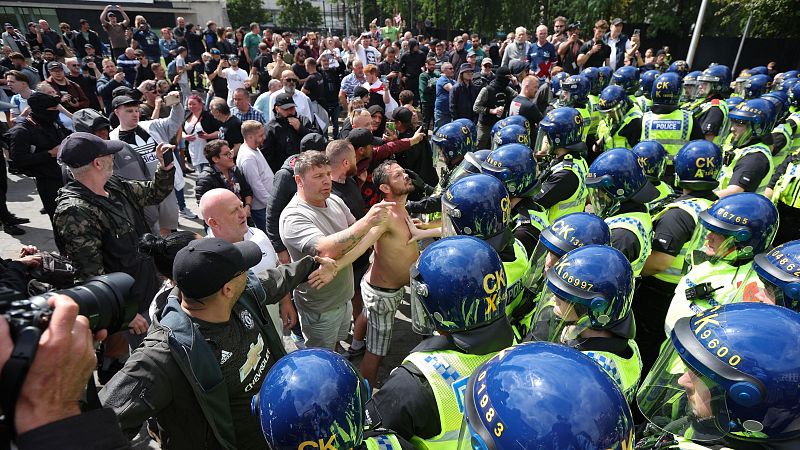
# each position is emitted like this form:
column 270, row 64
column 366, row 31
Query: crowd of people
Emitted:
column 582, row 229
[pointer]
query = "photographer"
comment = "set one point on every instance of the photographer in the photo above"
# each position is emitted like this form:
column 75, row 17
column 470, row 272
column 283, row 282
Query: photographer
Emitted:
column 47, row 413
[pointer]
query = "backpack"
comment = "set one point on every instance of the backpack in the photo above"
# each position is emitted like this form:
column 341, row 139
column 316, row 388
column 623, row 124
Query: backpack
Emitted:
column 172, row 70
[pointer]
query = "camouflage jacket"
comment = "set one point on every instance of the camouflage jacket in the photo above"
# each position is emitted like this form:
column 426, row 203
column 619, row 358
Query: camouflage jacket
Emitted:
column 101, row 234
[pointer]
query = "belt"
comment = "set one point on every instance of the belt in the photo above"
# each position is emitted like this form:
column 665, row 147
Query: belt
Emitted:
column 380, row 289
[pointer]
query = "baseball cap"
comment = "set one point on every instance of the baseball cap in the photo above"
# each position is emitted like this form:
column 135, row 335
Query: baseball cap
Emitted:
column 471, row 52
column 466, row 67
column 204, row 266
column 123, row 100
column 313, row 141
column 284, row 101
column 362, row 137
column 88, row 46
column 215, row 51
column 403, row 115
column 80, row 148
column 89, row 120
column 54, row 65
column 8, row 25
column 487, row 62
column 617, row 21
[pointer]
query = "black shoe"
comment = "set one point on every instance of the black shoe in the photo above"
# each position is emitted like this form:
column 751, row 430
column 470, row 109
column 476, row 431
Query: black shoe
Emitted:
column 13, row 230
column 14, row 220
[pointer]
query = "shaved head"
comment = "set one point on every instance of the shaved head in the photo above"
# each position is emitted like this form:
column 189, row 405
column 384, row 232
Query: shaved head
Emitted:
column 223, row 213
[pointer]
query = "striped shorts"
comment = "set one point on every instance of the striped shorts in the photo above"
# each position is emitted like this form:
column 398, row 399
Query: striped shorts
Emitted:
column 380, row 306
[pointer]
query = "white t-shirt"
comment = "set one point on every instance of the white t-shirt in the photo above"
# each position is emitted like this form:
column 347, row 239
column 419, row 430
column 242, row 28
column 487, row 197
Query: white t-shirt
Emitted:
column 180, row 63
column 236, row 78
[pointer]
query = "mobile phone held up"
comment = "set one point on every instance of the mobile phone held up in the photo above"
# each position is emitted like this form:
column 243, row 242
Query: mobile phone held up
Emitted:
column 169, row 157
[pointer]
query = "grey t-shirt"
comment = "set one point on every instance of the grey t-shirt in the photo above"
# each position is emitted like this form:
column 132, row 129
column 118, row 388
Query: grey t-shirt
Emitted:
column 300, row 226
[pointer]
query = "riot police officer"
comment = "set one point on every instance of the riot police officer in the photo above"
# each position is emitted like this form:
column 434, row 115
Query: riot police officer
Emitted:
column 646, row 81
column 627, row 77
column 689, row 92
column 748, row 162
column 619, row 193
column 783, row 190
column 458, row 289
column 676, row 235
column 666, row 123
column 564, row 235
column 782, row 132
column 510, row 134
column 709, row 108
column 544, row 396
column 778, row 278
column 727, row 378
column 586, row 305
column 315, row 398
column 621, row 121
column 596, row 86
column 563, row 189
column 575, row 94
column 754, row 86
column 679, row 67
column 653, row 159
column 738, row 227
column 479, row 206
column 514, row 120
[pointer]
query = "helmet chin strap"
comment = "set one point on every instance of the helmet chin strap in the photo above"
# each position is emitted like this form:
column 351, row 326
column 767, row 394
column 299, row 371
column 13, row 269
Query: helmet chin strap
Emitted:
column 573, row 329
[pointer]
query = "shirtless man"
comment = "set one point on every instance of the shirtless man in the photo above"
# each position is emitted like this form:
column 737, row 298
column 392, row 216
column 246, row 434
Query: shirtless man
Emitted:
column 382, row 287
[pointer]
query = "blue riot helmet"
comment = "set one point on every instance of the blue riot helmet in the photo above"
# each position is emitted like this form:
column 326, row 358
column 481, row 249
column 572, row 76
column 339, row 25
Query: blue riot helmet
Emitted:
column 512, row 120
column 312, row 395
column 560, row 128
column 780, row 100
column 589, row 287
column 690, row 84
column 777, row 82
column 653, row 159
column 697, row 165
column 744, row 224
column 778, row 271
column 593, row 75
column 555, row 83
column 575, row 90
column 564, row 235
column 680, row 67
column 473, row 130
column 539, row 395
column 470, row 165
column 613, row 104
column 715, row 80
column 479, row 206
column 759, row 70
column 786, row 86
column 514, row 165
column 646, row 81
column 754, row 87
column 728, row 372
column 667, row 89
column 604, row 75
column 510, row 134
column 753, row 118
column 458, row 285
column 733, row 102
column 453, row 140
column 627, row 77
column 615, row 177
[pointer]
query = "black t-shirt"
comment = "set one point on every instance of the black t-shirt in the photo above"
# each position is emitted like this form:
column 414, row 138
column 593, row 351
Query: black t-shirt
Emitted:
column 557, row 187
column 632, row 131
column 676, row 227
column 264, row 77
column 596, row 59
column 301, row 72
column 711, row 121
column 219, row 84
column 350, row 193
column 315, row 85
column 231, row 131
column 525, row 232
column 749, row 171
column 526, row 108
column 243, row 356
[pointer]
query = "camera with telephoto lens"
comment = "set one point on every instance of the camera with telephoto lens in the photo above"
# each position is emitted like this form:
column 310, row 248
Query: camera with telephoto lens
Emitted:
column 103, row 299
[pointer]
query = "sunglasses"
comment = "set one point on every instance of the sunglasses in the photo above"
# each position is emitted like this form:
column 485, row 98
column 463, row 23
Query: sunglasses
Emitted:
column 291, row 80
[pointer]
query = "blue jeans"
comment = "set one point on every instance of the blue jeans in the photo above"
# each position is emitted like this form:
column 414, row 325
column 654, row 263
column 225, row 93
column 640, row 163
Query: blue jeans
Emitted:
column 441, row 118
column 181, row 199
column 259, row 218
column 333, row 114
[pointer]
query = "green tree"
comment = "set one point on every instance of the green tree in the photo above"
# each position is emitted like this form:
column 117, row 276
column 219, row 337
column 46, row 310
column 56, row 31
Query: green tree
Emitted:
column 242, row 12
column 298, row 14
column 771, row 18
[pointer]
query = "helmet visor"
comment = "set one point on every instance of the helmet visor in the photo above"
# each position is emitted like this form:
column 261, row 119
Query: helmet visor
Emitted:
column 680, row 400
column 613, row 116
column 449, row 213
column 603, row 204
column 421, row 322
column 468, row 166
column 542, row 145
column 704, row 89
column 557, row 320
column 689, row 91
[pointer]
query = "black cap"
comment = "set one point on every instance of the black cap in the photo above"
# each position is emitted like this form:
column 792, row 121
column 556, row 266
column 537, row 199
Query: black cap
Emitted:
column 54, row 65
column 123, row 100
column 284, row 101
column 79, row 149
column 89, row 120
column 617, row 21
column 403, row 115
column 204, row 266
column 88, row 46
column 313, row 141
column 375, row 109
column 360, row 91
column 362, row 137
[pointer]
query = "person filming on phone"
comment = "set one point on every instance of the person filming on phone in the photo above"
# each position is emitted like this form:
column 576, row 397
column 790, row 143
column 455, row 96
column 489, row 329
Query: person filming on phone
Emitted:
column 595, row 52
column 620, row 44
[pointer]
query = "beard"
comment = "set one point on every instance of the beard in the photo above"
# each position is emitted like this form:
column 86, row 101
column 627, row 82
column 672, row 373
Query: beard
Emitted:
column 288, row 90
